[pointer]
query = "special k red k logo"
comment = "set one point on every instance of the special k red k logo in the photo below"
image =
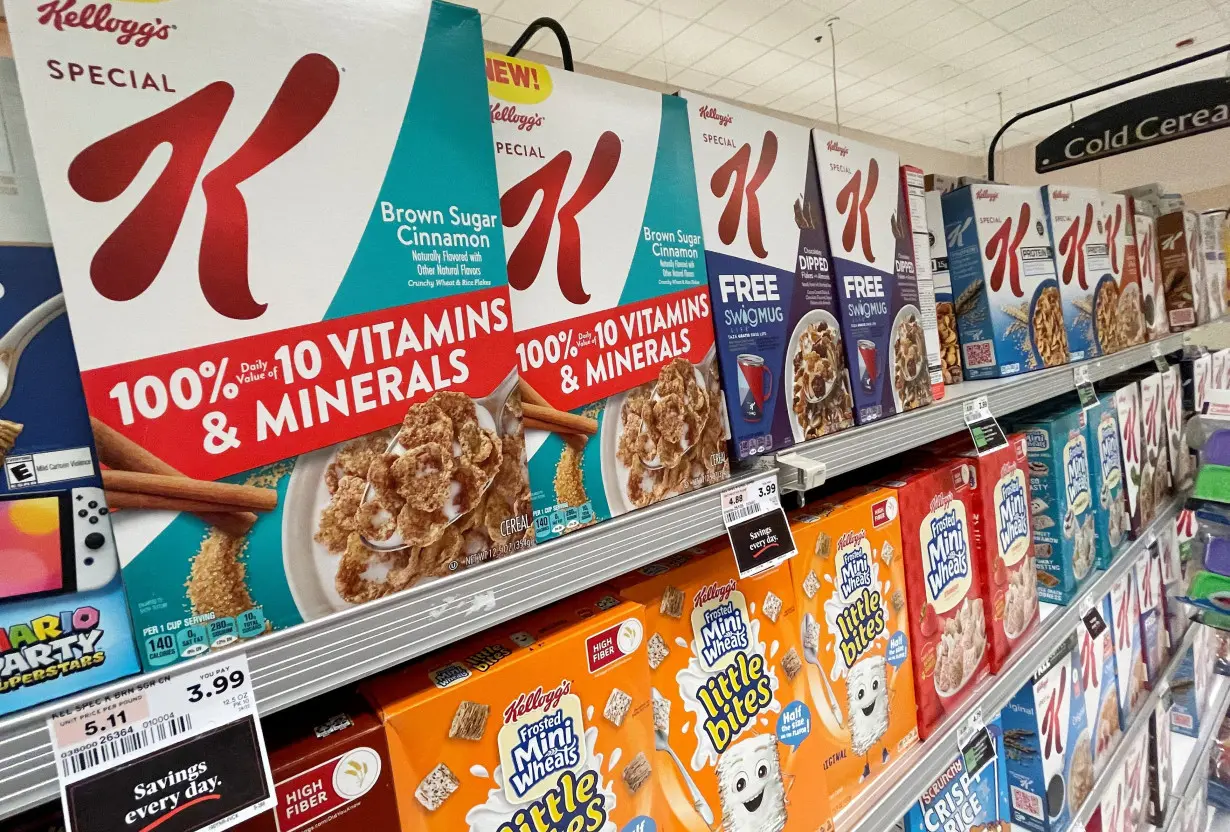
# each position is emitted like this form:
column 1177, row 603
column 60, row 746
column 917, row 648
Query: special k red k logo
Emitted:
column 1146, row 261
column 1112, row 225
column 852, row 202
column 525, row 262
column 1002, row 249
column 129, row 260
column 732, row 176
column 1072, row 247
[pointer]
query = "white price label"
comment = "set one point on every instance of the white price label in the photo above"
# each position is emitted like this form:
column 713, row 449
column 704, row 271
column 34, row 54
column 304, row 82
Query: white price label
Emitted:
column 752, row 500
column 977, row 409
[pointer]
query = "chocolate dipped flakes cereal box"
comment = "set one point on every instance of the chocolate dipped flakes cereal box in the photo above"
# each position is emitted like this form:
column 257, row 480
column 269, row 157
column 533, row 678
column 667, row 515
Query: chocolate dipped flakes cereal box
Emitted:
column 544, row 724
column 945, row 586
column 1152, row 287
column 866, row 213
column 849, row 584
column 1123, row 324
column 282, row 449
column 779, row 343
column 1074, row 218
column 611, row 307
column 1003, row 278
column 738, row 746
column 1181, row 277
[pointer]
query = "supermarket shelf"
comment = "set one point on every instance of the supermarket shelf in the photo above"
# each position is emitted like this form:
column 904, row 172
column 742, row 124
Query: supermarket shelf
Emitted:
column 1196, row 766
column 887, row 799
column 844, row 452
column 297, row 664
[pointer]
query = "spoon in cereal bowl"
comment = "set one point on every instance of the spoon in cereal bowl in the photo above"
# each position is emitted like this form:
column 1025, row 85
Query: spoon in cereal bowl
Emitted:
column 494, row 403
column 15, row 341
column 689, row 438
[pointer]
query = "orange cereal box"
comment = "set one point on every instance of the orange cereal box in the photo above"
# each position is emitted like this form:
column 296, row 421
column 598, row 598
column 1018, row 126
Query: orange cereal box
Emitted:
column 849, row 585
column 542, row 725
column 734, row 730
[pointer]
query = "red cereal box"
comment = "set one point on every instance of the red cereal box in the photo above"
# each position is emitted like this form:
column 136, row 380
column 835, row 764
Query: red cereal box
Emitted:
column 944, row 586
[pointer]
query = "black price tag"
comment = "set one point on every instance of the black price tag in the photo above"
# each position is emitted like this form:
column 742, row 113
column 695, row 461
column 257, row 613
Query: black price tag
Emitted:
column 983, row 428
column 1095, row 624
column 757, row 526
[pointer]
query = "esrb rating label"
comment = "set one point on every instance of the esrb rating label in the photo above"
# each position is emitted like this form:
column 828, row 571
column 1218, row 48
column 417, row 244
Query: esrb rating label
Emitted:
column 24, row 470
column 756, row 525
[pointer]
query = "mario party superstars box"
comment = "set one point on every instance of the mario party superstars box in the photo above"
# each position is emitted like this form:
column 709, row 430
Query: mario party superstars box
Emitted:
column 606, row 266
column 770, row 275
column 279, row 232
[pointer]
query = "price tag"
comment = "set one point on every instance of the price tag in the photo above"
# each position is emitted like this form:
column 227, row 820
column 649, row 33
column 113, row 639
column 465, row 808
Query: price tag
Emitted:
column 1084, row 388
column 975, row 744
column 756, row 525
column 983, row 429
column 181, row 753
column 1095, row 624
column 1159, row 360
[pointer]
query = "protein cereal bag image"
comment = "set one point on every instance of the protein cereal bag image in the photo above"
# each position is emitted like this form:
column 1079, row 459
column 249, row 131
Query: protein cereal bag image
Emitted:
column 1074, row 218
column 1152, row 286
column 737, row 747
column 1120, row 321
column 1095, row 641
column 281, row 449
column 945, row 586
column 610, row 298
column 544, row 724
column 849, row 584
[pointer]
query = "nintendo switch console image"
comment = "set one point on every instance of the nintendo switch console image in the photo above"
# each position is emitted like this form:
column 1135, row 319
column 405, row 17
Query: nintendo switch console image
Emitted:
column 55, row 543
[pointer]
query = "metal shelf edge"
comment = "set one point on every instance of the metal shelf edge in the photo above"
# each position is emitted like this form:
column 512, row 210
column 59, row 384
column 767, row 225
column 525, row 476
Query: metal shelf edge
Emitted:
column 1199, row 759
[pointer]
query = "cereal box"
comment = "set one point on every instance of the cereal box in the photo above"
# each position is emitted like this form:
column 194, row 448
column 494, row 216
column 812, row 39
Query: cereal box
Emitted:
column 945, row 312
column 1129, row 660
column 1136, row 780
column 1096, row 647
column 1134, row 460
column 737, row 744
column 1180, row 273
column 611, row 309
column 1213, row 241
column 1110, row 516
column 1217, row 371
column 1197, row 373
column 283, row 448
column 1155, row 445
column 866, row 213
column 972, row 792
column 850, row 587
column 1003, row 276
column 1159, row 763
column 1050, row 750
column 1002, row 534
column 770, row 278
column 543, row 724
column 1152, row 286
column 1182, row 470
column 1111, row 807
column 1074, row 219
column 1124, row 325
column 1147, row 572
column 912, row 187
column 945, row 587
column 1190, row 686
column 1061, row 500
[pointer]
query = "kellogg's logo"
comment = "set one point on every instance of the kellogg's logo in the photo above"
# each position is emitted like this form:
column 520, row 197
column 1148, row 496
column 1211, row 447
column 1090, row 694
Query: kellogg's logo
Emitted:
column 63, row 14
column 508, row 113
column 834, row 147
column 710, row 112
column 1061, row 196
column 987, row 194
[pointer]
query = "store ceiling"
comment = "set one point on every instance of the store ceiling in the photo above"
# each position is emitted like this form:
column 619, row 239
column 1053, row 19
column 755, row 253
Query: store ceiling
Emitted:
column 926, row 71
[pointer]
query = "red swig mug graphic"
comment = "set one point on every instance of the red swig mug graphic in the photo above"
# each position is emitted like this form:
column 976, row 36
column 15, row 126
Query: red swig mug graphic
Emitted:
column 868, row 368
column 755, row 386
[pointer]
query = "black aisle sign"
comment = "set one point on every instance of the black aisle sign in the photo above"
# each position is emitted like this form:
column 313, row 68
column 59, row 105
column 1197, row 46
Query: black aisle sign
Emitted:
column 1157, row 117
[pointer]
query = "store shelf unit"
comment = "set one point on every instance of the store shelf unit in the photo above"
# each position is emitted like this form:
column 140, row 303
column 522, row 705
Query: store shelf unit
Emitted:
column 888, row 798
column 1195, row 765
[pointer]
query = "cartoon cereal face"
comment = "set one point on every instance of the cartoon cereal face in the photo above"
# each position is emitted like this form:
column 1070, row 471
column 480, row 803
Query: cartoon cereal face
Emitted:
column 750, row 785
column 867, row 689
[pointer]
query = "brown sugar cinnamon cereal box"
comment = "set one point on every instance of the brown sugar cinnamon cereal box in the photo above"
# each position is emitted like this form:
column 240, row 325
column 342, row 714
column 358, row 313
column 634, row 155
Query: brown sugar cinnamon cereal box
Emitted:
column 1152, row 288
column 855, row 633
column 544, row 724
column 295, row 336
column 610, row 298
column 945, row 586
column 737, row 741
column 1123, row 323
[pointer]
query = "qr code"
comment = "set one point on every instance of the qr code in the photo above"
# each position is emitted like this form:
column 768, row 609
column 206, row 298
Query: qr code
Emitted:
column 1027, row 802
column 979, row 354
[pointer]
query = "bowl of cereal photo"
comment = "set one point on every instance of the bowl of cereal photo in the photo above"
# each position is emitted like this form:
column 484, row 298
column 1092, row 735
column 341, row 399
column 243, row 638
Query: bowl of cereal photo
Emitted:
column 820, row 399
column 907, row 368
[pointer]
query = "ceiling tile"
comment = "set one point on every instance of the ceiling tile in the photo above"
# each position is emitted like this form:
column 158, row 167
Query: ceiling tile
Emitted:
column 734, row 16
column 866, row 12
column 692, row 44
column 608, row 57
column 1031, row 12
column 727, row 88
column 956, row 22
column 760, row 96
column 547, row 43
column 646, row 32
column 735, row 53
column 793, row 18
column 690, row 79
column 992, row 8
column 484, row 7
column 596, row 19
column 524, row 11
column 691, row 9
column 761, row 69
column 501, row 31
column 795, row 102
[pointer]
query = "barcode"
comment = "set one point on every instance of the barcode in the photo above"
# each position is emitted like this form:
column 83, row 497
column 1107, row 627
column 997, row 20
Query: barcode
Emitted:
column 734, row 515
column 109, row 750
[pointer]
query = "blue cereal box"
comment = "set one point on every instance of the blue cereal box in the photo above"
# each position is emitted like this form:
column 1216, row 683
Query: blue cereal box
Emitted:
column 971, row 793
column 867, row 218
column 1099, row 688
column 1110, row 516
column 1073, row 217
column 1048, row 744
column 779, row 343
column 1061, row 500
column 1008, row 307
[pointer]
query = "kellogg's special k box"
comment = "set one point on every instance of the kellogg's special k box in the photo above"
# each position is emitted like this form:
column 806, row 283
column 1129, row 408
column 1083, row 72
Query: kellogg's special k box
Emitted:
column 316, row 372
column 1124, row 311
column 779, row 343
column 1152, row 286
column 1074, row 215
column 611, row 306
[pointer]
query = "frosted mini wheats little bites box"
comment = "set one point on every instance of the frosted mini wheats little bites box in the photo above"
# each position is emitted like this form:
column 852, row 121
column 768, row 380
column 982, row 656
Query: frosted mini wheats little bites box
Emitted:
column 314, row 399
column 1074, row 218
column 1123, row 324
column 1003, row 278
column 867, row 216
column 779, row 344
column 611, row 306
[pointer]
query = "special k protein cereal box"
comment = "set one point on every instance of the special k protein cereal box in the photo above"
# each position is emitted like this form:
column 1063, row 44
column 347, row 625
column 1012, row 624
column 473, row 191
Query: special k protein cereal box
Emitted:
column 314, row 399
column 850, row 587
column 1124, row 314
column 1003, row 277
column 1152, row 287
column 614, row 329
column 867, row 216
column 737, row 742
column 542, row 725
column 779, row 343
column 1096, row 657
column 1074, row 217
column 945, row 586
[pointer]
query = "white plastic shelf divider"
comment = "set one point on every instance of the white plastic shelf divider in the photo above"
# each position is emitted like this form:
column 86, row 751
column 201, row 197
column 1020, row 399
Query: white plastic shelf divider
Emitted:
column 896, row 789
column 1195, row 768
column 851, row 449
column 303, row 662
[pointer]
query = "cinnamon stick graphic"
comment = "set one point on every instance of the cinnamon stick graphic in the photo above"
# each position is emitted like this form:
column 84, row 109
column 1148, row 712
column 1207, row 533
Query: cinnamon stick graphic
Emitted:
column 532, row 398
column 563, row 421
column 119, row 500
column 243, row 497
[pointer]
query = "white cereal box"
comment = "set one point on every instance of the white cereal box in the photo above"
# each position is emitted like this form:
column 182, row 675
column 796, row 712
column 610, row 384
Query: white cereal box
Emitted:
column 1119, row 230
column 1133, row 678
column 1212, row 244
column 1096, row 654
column 1179, row 459
column 1135, row 461
column 1152, row 287
column 1083, row 261
column 912, row 186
